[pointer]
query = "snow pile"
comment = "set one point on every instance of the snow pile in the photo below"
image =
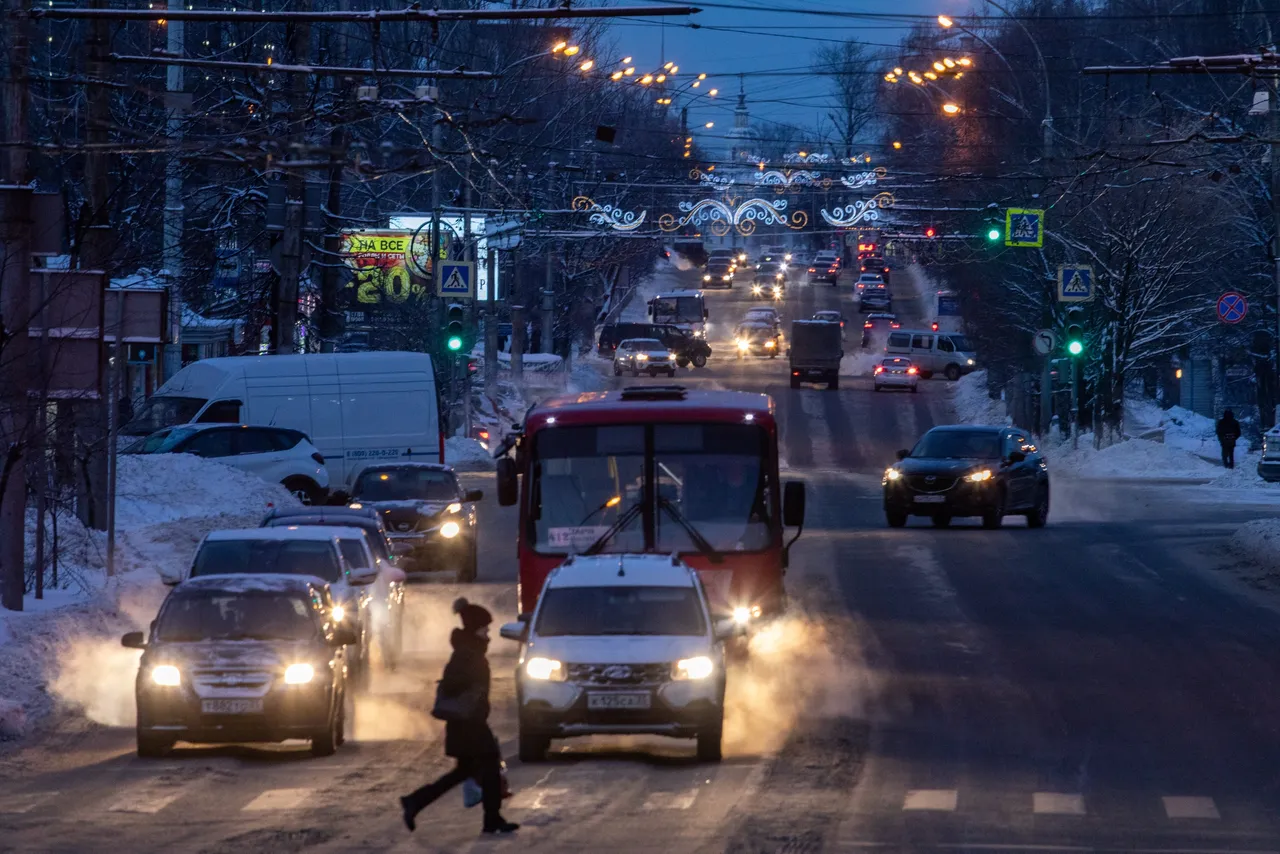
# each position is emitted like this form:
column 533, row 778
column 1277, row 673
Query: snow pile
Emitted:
column 972, row 404
column 1259, row 543
column 1175, row 426
column 1134, row 458
column 63, row 652
column 467, row 454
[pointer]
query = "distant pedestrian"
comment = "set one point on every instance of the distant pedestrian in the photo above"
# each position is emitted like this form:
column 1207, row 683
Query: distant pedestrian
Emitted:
column 467, row 737
column 1228, row 433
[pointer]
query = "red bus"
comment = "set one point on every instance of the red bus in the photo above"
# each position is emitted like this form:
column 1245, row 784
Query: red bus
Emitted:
column 656, row 469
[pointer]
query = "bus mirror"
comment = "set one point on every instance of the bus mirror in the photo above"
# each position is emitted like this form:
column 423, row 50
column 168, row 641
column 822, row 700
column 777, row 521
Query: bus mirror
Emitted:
column 508, row 482
column 793, row 504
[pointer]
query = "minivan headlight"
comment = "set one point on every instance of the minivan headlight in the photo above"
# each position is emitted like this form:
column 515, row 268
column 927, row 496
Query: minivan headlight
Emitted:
column 449, row 530
column 166, row 675
column 299, row 674
column 544, row 669
column 698, row 667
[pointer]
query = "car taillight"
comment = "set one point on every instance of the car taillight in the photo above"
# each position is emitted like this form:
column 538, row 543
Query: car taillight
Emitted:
column 879, row 369
column 813, row 269
column 318, row 458
column 866, row 325
column 484, row 434
column 911, row 370
column 895, row 325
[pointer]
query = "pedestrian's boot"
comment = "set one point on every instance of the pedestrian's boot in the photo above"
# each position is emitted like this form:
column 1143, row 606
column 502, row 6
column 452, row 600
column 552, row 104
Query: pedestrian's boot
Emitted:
column 409, row 814
column 498, row 824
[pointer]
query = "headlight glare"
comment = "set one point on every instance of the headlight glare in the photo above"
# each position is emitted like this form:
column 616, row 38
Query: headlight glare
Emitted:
column 449, row 530
column 166, row 675
column 642, row 357
column 742, row 615
column 743, row 344
column 892, row 474
column 970, row 361
column 339, row 613
column 299, row 674
column 455, row 507
column 698, row 667
column 979, row 476
column 544, row 669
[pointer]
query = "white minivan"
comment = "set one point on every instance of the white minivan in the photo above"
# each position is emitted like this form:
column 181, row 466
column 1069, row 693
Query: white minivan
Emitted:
column 356, row 408
column 947, row 353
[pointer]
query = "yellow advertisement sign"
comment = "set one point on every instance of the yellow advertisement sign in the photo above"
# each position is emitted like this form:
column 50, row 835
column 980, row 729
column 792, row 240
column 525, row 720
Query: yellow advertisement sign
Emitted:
column 388, row 266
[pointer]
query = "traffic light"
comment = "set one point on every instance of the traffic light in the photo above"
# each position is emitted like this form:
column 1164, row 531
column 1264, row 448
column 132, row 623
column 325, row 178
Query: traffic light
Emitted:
column 930, row 231
column 455, row 328
column 993, row 234
column 1075, row 331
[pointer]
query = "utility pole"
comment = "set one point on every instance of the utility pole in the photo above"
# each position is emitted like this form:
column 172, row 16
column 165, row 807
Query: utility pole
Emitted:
column 332, row 320
column 285, row 298
column 1273, row 133
column 175, row 108
column 548, row 283
column 491, row 328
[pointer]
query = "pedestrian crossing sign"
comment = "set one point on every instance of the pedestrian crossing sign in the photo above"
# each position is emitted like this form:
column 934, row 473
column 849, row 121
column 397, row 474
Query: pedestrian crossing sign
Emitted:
column 457, row 279
column 1075, row 283
column 1024, row 227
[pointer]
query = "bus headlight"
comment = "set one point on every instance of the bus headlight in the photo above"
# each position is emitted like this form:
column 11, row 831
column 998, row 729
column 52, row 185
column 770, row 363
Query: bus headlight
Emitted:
column 449, row 530
column 544, row 670
column 299, row 674
column 166, row 675
column 698, row 667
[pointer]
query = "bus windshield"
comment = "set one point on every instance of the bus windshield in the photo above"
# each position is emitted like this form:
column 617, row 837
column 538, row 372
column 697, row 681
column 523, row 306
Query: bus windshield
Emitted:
column 684, row 309
column 715, row 477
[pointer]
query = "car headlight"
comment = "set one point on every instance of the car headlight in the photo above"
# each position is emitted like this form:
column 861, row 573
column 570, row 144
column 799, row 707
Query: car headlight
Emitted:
column 778, row 276
column 891, row 474
column 642, row 357
column 449, row 530
column 544, row 670
column 339, row 613
column 742, row 615
column 356, row 505
column 970, row 361
column 787, row 257
column 455, row 507
column 978, row 476
column 725, row 278
column 671, row 356
column 707, row 277
column 742, row 257
column 755, row 289
column 166, row 675
column 299, row 674
column 698, row 667
column 743, row 345
column 770, row 344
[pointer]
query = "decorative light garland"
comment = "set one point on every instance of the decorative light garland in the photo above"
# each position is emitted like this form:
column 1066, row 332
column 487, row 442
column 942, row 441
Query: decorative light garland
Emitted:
column 608, row 215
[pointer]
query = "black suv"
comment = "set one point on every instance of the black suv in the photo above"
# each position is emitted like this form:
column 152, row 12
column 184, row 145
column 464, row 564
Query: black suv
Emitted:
column 965, row 470
column 686, row 347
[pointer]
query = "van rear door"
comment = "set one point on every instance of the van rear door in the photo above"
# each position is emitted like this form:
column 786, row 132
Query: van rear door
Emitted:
column 389, row 411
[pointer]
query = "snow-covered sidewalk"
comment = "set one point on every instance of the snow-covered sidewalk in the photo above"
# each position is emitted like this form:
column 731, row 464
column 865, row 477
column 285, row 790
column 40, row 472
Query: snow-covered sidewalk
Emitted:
column 63, row 653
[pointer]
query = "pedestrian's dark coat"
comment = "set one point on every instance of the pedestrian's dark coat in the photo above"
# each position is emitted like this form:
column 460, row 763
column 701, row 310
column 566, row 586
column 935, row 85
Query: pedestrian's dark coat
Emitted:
column 468, row 673
column 1228, row 429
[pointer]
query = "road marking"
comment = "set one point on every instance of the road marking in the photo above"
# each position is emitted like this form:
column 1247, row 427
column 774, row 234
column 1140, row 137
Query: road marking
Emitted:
column 18, row 804
column 670, row 800
column 1190, row 807
column 536, row 798
column 147, row 801
column 277, row 799
column 940, row 800
column 1057, row 803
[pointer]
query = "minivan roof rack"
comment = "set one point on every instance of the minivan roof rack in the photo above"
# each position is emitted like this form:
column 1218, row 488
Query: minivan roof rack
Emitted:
column 655, row 392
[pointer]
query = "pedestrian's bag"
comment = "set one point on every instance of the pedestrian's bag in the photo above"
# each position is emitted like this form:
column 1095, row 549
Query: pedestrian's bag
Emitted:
column 460, row 707
column 472, row 794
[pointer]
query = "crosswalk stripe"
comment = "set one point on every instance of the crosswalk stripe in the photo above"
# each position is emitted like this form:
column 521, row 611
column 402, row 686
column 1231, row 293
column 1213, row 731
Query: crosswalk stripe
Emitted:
column 148, row 801
column 939, row 800
column 19, row 804
column 1057, row 803
column 278, row 799
column 670, row 800
column 1190, row 807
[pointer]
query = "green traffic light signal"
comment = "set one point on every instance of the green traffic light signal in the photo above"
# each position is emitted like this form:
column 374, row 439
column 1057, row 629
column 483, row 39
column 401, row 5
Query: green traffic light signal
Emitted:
column 454, row 343
column 1075, row 348
column 993, row 235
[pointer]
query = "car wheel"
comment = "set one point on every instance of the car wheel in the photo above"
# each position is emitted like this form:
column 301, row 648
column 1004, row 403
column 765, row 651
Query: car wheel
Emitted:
column 926, row 375
column 994, row 517
column 340, row 734
column 533, row 747
column 895, row 518
column 709, row 740
column 1038, row 515
column 915, row 389
column 325, row 742
column 635, row 372
column 942, row 520
column 305, row 490
column 952, row 372
column 467, row 572
column 875, row 388
column 153, row 746
column 682, row 362
column 833, row 384
column 617, row 372
column 700, row 360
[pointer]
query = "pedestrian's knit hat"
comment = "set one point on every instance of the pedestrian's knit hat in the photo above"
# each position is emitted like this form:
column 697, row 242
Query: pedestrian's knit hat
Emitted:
column 473, row 616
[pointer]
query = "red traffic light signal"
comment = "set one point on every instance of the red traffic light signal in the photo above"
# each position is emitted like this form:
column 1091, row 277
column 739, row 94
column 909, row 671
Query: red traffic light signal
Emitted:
column 934, row 326
column 930, row 231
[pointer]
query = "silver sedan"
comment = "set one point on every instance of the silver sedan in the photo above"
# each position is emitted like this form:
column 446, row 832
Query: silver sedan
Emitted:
column 895, row 372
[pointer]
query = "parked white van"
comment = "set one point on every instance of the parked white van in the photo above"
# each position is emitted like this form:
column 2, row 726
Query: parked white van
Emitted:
column 948, row 353
column 357, row 408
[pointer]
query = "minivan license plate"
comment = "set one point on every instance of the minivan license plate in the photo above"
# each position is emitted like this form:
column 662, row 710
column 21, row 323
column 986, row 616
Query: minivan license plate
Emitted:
column 229, row 706
column 637, row 700
column 931, row 499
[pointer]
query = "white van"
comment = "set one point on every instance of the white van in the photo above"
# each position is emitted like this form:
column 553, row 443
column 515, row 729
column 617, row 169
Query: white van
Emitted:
column 948, row 353
column 357, row 408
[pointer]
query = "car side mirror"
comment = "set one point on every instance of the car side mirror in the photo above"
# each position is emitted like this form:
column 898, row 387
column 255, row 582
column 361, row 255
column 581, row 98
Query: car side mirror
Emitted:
column 169, row 577
column 508, row 482
column 903, row 454
column 134, row 640
column 1016, row 457
column 344, row 636
column 729, row 628
column 473, row 495
column 363, row 575
column 401, row 549
column 793, row 501
column 516, row 631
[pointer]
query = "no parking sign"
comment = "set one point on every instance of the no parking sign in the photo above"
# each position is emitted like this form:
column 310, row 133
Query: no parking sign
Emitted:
column 1232, row 307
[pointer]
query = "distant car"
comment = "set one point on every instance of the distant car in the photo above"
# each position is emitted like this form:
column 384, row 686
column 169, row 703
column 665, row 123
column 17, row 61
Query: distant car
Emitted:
column 757, row 338
column 766, row 313
column 878, row 320
column 274, row 454
column 243, row 658
column 621, row 643
column 965, row 470
column 875, row 299
column 874, row 265
column 768, row 284
column 895, row 372
column 644, row 356
column 427, row 512
column 830, row 317
column 870, row 280
column 825, row 267
column 687, row 347
column 719, row 274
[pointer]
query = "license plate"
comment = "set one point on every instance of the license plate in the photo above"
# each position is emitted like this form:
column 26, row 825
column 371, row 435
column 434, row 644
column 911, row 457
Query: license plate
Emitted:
column 238, row 706
column 931, row 499
column 638, row 700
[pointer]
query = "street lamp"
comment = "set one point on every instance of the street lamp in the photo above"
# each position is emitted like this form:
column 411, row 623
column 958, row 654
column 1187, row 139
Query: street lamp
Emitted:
column 588, row 65
column 950, row 109
column 945, row 21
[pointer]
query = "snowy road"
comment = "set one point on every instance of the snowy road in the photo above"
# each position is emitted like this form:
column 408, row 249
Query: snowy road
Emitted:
column 1099, row 685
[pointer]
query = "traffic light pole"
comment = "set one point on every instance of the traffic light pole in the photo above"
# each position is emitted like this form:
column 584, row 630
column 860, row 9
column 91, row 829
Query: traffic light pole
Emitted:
column 1075, row 404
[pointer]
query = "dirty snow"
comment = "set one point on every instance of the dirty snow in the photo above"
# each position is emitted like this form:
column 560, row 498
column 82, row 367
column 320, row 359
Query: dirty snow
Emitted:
column 466, row 454
column 972, row 403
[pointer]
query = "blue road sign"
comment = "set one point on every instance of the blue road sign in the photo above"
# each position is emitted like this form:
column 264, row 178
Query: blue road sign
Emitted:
column 948, row 305
column 1232, row 307
column 1024, row 227
column 1075, row 283
column 504, row 329
column 457, row 279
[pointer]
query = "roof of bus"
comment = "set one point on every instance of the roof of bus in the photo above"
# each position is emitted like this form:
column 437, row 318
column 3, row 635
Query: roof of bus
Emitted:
column 625, row 406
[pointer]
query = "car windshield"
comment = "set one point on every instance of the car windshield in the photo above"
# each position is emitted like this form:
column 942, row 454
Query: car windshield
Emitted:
column 163, row 411
column 642, row 345
column 354, row 553
column 620, row 611
column 754, row 330
column 585, row 479
column 163, row 441
column 406, row 484
column 283, row 557
column 959, row 444
column 222, row 615
column 962, row 343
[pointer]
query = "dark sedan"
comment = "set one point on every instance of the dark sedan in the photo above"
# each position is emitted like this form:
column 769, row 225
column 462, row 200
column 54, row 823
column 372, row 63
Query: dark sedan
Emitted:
column 964, row 470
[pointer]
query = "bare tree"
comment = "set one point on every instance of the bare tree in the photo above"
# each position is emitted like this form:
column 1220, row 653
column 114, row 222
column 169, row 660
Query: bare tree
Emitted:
column 851, row 70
